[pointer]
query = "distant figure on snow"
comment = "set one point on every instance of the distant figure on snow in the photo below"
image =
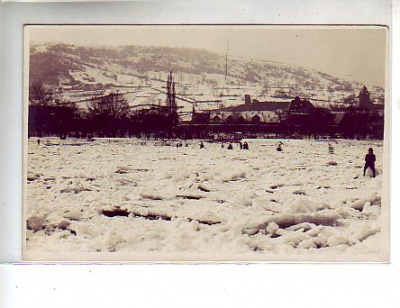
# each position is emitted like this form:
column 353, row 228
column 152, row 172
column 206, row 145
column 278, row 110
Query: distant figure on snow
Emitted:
column 230, row 147
column 330, row 148
column 245, row 146
column 38, row 141
column 241, row 145
column 201, row 145
column 279, row 147
column 370, row 161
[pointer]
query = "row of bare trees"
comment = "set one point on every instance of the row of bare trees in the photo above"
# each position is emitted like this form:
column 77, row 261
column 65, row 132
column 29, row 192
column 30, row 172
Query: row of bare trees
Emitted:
column 113, row 105
column 105, row 116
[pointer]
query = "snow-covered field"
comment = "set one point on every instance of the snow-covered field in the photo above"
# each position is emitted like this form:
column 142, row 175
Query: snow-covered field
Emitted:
column 133, row 199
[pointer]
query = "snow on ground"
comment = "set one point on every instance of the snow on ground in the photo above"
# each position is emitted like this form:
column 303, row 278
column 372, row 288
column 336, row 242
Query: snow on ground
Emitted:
column 138, row 196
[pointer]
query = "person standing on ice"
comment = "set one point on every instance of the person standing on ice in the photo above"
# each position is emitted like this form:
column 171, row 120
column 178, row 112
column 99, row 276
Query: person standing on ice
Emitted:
column 201, row 145
column 330, row 148
column 370, row 161
column 279, row 148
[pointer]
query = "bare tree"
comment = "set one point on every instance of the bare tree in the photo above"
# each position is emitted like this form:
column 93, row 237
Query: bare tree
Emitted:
column 108, row 114
column 39, row 95
column 113, row 105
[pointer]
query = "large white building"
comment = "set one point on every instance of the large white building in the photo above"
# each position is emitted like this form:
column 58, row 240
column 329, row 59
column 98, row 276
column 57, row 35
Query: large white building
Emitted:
column 252, row 111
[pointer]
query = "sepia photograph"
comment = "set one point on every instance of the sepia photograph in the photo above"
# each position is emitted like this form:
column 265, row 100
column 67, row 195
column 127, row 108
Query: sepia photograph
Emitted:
column 206, row 143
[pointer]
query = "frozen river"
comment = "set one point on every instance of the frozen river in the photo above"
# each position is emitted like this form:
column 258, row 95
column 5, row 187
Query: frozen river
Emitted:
column 133, row 199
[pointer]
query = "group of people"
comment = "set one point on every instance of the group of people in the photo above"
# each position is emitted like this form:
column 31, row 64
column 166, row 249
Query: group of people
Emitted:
column 370, row 158
column 242, row 146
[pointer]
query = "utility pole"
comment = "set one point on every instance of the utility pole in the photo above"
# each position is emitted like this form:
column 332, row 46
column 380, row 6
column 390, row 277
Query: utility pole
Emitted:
column 171, row 104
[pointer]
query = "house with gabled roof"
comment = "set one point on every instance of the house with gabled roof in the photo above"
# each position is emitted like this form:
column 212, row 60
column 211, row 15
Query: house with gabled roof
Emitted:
column 252, row 111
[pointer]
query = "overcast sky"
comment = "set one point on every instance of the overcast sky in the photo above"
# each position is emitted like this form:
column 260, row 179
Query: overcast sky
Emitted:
column 352, row 53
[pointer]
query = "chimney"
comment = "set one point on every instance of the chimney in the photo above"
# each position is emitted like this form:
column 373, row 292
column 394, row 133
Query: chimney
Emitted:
column 247, row 99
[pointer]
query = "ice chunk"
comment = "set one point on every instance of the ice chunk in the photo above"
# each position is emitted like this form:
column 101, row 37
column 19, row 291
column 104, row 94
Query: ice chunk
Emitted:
column 157, row 193
column 113, row 240
column 272, row 228
column 337, row 240
column 308, row 244
column 234, row 176
column 35, row 223
column 301, row 205
column 369, row 173
column 266, row 204
column 358, row 204
column 295, row 238
column 62, row 224
column 32, row 176
column 365, row 232
column 73, row 215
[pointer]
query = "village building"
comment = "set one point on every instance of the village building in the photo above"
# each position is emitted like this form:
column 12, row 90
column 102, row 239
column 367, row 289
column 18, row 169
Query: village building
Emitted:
column 252, row 111
column 366, row 119
column 364, row 98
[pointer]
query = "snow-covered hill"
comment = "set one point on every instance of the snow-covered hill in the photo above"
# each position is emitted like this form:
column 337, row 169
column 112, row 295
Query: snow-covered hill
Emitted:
column 200, row 75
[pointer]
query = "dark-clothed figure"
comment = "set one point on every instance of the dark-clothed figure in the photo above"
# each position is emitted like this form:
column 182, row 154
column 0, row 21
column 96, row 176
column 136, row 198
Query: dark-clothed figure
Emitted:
column 245, row 145
column 370, row 161
column 201, row 145
column 279, row 147
column 230, row 147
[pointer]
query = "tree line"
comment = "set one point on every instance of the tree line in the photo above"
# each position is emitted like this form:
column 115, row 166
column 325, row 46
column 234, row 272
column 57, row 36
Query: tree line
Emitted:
column 105, row 116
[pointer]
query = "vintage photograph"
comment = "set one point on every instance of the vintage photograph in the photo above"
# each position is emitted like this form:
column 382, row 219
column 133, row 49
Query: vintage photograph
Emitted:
column 206, row 143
